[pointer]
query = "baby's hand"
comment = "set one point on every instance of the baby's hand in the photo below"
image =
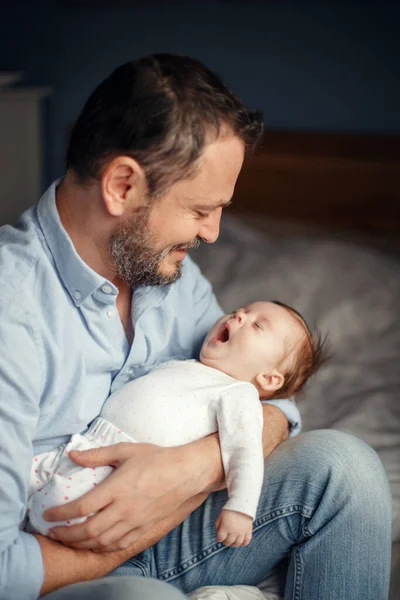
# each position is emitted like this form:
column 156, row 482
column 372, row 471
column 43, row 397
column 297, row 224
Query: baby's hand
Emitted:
column 234, row 528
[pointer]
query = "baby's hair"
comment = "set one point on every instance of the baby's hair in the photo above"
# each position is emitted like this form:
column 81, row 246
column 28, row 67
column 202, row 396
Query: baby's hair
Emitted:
column 309, row 355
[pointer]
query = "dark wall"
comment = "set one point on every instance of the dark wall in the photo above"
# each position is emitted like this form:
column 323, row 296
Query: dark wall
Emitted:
column 308, row 65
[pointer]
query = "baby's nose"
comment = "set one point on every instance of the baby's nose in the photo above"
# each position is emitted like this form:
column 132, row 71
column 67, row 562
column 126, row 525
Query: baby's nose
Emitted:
column 240, row 315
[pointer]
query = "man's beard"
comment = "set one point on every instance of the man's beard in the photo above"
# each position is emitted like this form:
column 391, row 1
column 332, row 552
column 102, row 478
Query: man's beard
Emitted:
column 136, row 257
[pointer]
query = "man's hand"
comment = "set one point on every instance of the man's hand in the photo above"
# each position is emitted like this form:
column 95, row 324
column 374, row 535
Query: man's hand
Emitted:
column 84, row 565
column 234, row 528
column 150, row 482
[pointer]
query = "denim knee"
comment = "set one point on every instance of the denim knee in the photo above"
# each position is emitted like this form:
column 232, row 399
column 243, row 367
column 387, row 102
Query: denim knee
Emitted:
column 347, row 466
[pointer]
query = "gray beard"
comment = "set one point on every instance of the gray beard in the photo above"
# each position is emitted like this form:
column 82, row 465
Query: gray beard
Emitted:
column 137, row 260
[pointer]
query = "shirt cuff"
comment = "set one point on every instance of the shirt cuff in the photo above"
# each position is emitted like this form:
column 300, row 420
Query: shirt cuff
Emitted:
column 248, row 508
column 291, row 412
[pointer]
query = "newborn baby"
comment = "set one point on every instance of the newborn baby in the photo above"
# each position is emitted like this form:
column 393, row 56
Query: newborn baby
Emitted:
column 262, row 351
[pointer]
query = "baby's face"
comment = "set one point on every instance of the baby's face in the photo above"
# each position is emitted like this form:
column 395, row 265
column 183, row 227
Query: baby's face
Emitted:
column 252, row 340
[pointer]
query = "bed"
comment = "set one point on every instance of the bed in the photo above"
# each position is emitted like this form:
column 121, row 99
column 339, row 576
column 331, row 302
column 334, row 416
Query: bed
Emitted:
column 317, row 226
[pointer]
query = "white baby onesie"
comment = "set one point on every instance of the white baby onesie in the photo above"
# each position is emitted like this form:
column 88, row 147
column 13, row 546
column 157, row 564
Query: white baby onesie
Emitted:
column 176, row 403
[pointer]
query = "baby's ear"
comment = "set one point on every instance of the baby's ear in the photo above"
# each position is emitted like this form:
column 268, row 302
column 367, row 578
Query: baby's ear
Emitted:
column 270, row 382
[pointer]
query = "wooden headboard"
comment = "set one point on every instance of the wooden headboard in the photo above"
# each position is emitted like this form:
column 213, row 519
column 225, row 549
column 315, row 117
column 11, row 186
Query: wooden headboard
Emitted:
column 339, row 181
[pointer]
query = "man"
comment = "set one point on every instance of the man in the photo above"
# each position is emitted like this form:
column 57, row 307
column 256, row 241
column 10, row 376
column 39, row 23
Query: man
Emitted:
column 96, row 290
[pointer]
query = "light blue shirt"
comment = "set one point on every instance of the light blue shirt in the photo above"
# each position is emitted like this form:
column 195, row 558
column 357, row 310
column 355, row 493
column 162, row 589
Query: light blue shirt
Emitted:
column 64, row 350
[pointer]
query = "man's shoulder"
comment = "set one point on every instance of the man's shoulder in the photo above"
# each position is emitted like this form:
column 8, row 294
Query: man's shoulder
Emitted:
column 22, row 259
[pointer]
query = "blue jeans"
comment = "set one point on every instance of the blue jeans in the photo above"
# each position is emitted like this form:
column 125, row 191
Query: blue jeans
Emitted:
column 325, row 511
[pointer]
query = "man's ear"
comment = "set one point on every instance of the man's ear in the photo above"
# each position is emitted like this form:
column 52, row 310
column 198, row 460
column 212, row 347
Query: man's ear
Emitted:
column 123, row 186
column 270, row 382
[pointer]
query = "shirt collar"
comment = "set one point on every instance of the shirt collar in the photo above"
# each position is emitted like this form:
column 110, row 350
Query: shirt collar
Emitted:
column 79, row 279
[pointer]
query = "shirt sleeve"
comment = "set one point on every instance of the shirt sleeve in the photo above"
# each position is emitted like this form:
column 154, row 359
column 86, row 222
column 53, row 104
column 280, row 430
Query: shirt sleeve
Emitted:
column 21, row 565
column 206, row 309
column 291, row 412
column 240, row 424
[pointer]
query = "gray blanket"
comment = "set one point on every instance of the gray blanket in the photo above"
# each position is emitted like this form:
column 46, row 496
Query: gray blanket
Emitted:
column 349, row 291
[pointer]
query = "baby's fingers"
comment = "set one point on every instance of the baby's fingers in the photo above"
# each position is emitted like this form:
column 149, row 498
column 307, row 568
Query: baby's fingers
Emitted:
column 247, row 539
column 222, row 534
column 242, row 540
column 230, row 539
column 238, row 541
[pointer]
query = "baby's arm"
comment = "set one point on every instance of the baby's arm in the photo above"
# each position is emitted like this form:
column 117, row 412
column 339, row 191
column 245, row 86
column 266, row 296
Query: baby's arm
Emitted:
column 240, row 423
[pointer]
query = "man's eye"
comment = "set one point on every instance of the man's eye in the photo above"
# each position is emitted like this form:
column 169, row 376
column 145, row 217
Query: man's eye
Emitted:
column 258, row 326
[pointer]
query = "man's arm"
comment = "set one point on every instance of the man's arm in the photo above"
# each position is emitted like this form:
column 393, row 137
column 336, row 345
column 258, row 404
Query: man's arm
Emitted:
column 275, row 429
column 20, row 390
column 84, row 565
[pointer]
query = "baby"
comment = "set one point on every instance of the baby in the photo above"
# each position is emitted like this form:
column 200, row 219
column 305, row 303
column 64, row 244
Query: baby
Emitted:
column 262, row 351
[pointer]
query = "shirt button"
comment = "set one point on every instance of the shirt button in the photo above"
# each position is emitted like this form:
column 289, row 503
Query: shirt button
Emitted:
column 77, row 295
column 107, row 289
column 111, row 313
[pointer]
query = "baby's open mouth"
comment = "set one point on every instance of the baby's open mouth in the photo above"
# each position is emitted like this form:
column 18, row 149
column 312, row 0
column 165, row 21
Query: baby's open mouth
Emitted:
column 223, row 335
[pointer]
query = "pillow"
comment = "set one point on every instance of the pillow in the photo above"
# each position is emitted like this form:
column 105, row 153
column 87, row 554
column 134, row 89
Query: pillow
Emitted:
column 351, row 292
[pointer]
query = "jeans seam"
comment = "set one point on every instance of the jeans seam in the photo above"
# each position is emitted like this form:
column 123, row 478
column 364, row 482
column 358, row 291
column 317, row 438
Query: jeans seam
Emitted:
column 297, row 574
column 217, row 547
column 192, row 562
column 140, row 565
column 297, row 563
column 305, row 511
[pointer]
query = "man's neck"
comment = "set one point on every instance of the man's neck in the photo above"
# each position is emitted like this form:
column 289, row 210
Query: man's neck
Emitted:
column 84, row 219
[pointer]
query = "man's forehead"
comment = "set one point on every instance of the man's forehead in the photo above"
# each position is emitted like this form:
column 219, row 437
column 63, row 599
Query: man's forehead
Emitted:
column 220, row 163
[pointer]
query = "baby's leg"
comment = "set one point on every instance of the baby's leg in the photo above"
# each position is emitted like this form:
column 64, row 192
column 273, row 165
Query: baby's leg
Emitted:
column 42, row 469
column 69, row 480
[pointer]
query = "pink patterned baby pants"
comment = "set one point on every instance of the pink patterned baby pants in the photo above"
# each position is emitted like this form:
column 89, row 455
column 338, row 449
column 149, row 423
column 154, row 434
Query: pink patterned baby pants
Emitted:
column 55, row 479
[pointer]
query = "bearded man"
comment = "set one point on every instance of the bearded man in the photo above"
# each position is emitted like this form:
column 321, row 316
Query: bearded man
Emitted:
column 97, row 289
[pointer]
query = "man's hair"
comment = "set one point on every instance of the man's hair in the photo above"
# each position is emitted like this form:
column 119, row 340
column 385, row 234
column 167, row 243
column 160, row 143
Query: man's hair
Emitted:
column 308, row 356
column 160, row 110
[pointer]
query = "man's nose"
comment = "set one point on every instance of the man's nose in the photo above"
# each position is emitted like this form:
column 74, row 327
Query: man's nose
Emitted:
column 209, row 231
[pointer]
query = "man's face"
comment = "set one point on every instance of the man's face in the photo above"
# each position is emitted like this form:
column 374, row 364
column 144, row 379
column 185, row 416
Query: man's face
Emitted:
column 148, row 248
